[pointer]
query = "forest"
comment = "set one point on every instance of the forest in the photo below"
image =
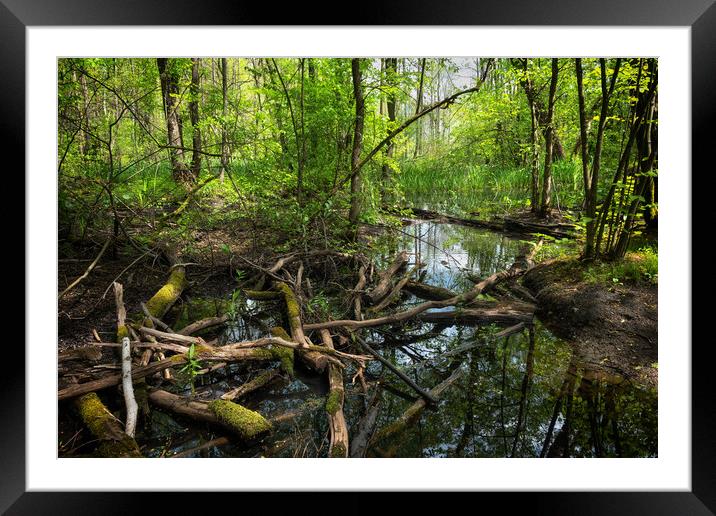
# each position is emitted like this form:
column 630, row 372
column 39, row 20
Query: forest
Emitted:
column 357, row 257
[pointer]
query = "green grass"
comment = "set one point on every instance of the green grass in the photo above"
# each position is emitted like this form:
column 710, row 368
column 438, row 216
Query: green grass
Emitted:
column 639, row 267
column 483, row 188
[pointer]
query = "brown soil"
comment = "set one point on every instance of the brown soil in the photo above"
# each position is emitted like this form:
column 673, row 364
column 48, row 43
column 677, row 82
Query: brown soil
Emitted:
column 611, row 327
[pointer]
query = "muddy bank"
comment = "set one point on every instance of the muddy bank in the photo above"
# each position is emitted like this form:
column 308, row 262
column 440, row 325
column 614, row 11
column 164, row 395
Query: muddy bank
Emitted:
column 614, row 327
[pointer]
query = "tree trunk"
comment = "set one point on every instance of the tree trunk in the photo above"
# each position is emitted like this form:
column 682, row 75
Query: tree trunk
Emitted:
column 549, row 144
column 357, row 140
column 194, row 116
column 224, row 144
column 391, row 65
column 169, row 80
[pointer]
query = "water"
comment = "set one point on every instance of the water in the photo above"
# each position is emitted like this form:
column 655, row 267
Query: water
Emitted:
column 521, row 396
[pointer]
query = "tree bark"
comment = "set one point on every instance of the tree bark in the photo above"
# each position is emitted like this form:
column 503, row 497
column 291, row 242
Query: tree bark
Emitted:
column 383, row 286
column 194, row 116
column 169, row 81
column 546, row 202
column 354, row 212
column 334, row 406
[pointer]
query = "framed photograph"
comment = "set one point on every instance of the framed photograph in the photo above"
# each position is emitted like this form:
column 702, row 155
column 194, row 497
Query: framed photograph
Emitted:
column 210, row 172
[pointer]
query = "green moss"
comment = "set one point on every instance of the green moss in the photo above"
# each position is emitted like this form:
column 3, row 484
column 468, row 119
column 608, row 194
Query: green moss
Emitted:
column 246, row 423
column 100, row 422
column 200, row 308
column 122, row 332
column 168, row 294
column 262, row 295
column 338, row 451
column 334, row 402
column 125, row 448
column 291, row 304
column 285, row 355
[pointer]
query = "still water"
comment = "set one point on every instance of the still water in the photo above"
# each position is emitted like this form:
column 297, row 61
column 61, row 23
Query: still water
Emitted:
column 520, row 396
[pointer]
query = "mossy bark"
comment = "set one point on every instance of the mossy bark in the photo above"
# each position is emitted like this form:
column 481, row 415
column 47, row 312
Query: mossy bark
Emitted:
column 246, row 424
column 285, row 355
column 249, row 425
column 262, row 295
column 334, row 405
column 166, row 296
column 314, row 360
column 105, row 427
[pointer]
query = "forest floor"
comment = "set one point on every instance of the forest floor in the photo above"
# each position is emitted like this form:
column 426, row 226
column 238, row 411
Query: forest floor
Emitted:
column 612, row 326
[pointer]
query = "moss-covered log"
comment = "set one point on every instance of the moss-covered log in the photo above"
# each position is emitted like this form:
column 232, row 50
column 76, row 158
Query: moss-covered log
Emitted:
column 106, row 428
column 162, row 301
column 285, row 355
column 334, row 406
column 246, row 424
column 312, row 359
column 262, row 295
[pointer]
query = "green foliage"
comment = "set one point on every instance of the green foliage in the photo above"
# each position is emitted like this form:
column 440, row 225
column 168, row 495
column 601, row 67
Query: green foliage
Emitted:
column 191, row 368
column 636, row 267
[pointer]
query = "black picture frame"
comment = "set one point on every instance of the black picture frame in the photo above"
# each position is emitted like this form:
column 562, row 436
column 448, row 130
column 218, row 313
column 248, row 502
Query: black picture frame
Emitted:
column 700, row 15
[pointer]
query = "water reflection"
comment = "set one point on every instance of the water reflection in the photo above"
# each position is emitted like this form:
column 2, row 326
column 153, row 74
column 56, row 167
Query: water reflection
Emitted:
column 525, row 395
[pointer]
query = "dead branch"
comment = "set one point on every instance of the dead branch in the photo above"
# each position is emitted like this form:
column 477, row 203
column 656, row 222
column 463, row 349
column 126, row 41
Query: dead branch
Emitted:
column 517, row 269
column 87, row 271
column 334, row 406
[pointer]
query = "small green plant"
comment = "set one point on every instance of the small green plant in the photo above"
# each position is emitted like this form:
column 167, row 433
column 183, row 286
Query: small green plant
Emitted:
column 192, row 367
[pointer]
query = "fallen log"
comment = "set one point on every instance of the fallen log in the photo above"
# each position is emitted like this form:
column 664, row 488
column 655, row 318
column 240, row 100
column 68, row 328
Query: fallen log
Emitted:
column 248, row 350
column 395, row 292
column 162, row 301
column 249, row 387
column 338, row 446
column 518, row 268
column 203, row 324
column 285, row 355
column 114, row 442
column 262, row 295
column 428, row 292
column 383, row 286
column 366, row 426
column 247, row 424
column 413, row 412
column 315, row 361
column 474, row 316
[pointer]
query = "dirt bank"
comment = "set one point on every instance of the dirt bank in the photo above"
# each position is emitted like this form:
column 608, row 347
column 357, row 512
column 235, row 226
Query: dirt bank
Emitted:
column 613, row 327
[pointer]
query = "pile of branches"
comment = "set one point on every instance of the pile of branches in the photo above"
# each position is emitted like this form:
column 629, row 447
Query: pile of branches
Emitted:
column 150, row 348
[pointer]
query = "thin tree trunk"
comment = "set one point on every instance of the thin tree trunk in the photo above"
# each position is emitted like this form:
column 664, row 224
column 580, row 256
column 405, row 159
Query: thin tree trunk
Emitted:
column 549, row 143
column 194, row 116
column 168, row 79
column 357, row 140
column 224, row 145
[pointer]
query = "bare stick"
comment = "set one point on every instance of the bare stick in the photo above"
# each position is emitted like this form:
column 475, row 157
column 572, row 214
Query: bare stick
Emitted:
column 128, row 388
column 87, row 272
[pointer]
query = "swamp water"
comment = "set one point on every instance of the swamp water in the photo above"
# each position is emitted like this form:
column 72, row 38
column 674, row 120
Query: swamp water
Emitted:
column 520, row 396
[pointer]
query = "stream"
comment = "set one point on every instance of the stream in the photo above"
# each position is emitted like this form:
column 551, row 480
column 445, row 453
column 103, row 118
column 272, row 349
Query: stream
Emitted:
column 525, row 395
